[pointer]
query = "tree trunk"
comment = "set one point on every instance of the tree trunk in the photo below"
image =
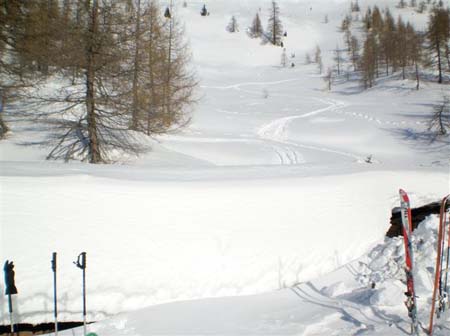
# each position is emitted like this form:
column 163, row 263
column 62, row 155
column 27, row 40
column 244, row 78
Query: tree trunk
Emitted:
column 438, row 47
column 442, row 129
column 417, row 76
column 274, row 35
column 387, row 66
column 167, row 94
column 152, row 59
column 3, row 128
column 47, row 37
column 151, row 108
column 134, row 115
column 376, row 66
column 94, row 150
column 447, row 55
column 338, row 63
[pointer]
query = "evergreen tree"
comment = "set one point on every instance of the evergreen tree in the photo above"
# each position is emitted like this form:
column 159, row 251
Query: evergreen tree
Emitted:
column 328, row 78
column 438, row 37
column 368, row 20
column 346, row 23
column 355, row 6
column 354, row 52
column 338, row 59
column 401, row 4
column 256, row 29
column 387, row 38
column 156, row 60
column 43, row 25
column 233, row 25
column 368, row 61
column 377, row 20
column 179, row 81
column 274, row 27
column 15, row 61
column 402, row 46
column 422, row 7
column 136, row 51
column 204, row 11
column 284, row 58
column 439, row 122
column 318, row 59
column 151, row 111
column 10, row 70
column 415, row 50
column 317, row 54
column 132, row 72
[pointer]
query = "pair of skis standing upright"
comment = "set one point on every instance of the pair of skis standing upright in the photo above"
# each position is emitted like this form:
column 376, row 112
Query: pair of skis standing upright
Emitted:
column 441, row 288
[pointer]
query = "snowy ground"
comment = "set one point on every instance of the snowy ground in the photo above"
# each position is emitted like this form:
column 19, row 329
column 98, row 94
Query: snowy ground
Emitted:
column 268, row 188
column 339, row 303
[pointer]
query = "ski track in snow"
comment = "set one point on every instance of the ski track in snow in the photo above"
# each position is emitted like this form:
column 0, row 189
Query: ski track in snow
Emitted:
column 239, row 85
column 351, row 312
column 275, row 131
column 379, row 121
column 274, row 134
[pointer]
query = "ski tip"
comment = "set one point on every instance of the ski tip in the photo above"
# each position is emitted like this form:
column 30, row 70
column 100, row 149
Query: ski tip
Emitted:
column 403, row 195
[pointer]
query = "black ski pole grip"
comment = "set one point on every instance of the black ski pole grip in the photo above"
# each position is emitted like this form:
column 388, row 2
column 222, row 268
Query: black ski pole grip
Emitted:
column 54, row 262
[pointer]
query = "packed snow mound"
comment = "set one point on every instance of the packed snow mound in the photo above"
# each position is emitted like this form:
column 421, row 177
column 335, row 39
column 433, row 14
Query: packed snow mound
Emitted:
column 362, row 297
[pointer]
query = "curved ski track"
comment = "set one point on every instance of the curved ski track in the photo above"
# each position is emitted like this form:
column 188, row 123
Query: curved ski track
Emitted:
column 275, row 132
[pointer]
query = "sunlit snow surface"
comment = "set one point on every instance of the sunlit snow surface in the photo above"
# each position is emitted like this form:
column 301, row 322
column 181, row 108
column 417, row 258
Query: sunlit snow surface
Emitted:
column 343, row 302
column 268, row 187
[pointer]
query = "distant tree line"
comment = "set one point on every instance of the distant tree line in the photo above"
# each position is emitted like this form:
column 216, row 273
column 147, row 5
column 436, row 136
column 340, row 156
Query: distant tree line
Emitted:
column 117, row 68
column 274, row 31
column 391, row 45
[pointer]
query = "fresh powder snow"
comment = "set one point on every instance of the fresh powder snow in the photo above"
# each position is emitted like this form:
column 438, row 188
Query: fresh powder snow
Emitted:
column 262, row 217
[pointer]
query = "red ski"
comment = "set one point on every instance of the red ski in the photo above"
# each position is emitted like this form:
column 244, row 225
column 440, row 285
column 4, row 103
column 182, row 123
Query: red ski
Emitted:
column 440, row 293
column 411, row 302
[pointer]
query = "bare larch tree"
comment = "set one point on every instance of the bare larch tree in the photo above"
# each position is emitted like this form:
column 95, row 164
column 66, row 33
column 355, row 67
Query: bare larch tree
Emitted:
column 274, row 28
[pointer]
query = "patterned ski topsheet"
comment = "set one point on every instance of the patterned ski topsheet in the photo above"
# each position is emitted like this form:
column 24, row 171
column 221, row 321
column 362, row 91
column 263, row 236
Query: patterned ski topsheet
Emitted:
column 439, row 260
column 411, row 303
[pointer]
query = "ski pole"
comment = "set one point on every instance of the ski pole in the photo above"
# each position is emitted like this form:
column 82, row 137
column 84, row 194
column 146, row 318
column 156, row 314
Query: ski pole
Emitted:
column 446, row 288
column 10, row 288
column 11, row 313
column 438, row 266
column 81, row 263
column 55, row 297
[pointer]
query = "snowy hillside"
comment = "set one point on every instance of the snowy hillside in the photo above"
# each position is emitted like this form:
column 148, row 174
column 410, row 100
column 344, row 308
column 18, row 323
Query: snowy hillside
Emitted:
column 340, row 303
column 261, row 217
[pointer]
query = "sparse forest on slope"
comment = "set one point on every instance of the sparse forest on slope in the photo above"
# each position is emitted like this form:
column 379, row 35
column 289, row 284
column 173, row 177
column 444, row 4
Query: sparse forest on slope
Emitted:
column 113, row 67
column 285, row 176
column 391, row 46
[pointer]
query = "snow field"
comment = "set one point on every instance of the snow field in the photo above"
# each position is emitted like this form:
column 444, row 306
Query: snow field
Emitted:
column 154, row 242
column 342, row 302
column 266, row 189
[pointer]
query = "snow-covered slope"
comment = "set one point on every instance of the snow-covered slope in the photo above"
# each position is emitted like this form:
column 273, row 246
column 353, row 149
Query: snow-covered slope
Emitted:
column 268, row 187
column 361, row 298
